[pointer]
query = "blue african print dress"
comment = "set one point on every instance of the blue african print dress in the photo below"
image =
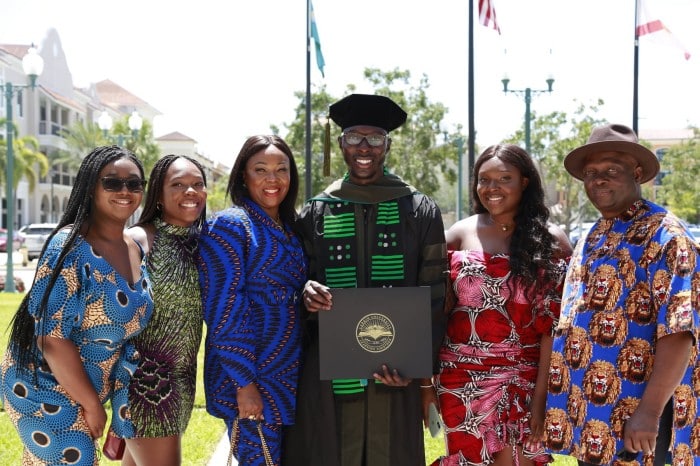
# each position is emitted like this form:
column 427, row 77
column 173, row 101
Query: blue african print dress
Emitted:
column 91, row 305
column 632, row 280
column 251, row 272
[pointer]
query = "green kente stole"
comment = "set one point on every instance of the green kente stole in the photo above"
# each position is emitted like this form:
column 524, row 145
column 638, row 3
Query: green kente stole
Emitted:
column 339, row 255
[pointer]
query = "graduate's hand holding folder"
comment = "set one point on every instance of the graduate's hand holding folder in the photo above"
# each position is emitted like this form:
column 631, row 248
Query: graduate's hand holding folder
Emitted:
column 381, row 333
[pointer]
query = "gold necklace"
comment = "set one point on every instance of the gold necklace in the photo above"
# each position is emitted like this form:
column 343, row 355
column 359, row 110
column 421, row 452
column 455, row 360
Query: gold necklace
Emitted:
column 503, row 226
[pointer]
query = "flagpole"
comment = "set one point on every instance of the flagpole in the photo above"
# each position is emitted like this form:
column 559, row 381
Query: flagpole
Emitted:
column 307, row 171
column 635, row 85
column 470, row 82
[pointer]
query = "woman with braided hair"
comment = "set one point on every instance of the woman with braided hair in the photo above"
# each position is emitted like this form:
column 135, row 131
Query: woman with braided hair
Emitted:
column 70, row 349
column 161, row 395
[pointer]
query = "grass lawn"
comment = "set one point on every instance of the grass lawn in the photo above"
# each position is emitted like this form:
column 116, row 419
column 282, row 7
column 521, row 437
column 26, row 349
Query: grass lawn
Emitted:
column 199, row 442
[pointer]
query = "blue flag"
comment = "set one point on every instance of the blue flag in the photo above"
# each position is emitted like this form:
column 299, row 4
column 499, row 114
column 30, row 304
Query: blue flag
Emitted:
column 314, row 35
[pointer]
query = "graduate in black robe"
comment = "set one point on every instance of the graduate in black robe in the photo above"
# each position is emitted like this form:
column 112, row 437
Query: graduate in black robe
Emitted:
column 366, row 217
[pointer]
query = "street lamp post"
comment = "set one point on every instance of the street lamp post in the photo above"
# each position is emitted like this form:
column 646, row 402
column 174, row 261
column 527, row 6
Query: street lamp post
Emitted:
column 460, row 151
column 105, row 123
column 51, row 206
column 528, row 93
column 33, row 65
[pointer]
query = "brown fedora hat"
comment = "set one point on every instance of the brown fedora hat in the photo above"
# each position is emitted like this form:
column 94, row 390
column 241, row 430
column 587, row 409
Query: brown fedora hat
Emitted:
column 612, row 138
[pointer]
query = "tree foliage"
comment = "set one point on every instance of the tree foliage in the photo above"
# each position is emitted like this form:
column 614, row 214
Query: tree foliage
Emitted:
column 553, row 136
column 83, row 137
column 217, row 198
column 418, row 152
column 27, row 159
column 141, row 143
column 680, row 179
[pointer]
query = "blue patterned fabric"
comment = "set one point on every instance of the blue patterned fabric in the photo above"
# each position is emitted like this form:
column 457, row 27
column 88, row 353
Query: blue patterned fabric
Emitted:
column 248, row 446
column 100, row 312
column 632, row 280
column 251, row 272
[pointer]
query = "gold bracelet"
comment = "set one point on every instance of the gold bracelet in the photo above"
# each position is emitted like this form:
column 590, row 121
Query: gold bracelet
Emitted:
column 427, row 386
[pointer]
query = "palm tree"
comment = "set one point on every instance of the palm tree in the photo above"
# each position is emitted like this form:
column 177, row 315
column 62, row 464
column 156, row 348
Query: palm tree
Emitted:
column 27, row 158
column 81, row 138
column 142, row 145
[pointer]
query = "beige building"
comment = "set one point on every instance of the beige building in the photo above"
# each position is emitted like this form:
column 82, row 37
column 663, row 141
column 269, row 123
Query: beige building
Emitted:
column 52, row 107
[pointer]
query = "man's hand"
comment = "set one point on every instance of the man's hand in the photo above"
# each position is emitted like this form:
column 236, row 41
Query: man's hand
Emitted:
column 391, row 378
column 317, row 297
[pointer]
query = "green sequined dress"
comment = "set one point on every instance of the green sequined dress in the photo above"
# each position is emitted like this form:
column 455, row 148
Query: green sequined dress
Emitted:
column 161, row 393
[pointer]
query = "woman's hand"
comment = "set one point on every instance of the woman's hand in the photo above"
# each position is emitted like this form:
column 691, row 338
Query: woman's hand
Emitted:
column 536, row 425
column 96, row 418
column 317, row 297
column 250, row 403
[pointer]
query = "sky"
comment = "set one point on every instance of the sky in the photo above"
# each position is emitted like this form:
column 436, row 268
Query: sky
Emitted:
column 221, row 71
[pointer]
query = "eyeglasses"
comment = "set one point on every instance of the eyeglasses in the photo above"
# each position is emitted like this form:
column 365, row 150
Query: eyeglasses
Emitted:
column 134, row 185
column 355, row 139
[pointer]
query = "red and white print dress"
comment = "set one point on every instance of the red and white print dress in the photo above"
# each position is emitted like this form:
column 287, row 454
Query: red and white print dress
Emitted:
column 489, row 358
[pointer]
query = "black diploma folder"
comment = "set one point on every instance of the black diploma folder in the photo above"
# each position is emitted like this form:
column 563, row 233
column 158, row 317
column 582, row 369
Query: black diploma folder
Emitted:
column 368, row 327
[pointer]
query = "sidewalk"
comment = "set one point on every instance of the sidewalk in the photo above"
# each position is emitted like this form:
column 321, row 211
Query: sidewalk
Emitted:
column 220, row 456
column 17, row 258
column 25, row 272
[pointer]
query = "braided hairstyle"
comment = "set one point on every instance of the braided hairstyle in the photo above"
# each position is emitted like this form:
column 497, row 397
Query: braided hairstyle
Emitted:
column 77, row 215
column 532, row 246
column 236, row 185
column 155, row 189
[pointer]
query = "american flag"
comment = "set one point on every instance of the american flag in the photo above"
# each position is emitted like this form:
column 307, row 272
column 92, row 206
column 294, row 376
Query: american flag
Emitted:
column 487, row 14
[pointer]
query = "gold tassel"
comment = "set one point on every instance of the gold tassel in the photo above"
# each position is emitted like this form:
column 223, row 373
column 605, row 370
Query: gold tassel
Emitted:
column 327, row 149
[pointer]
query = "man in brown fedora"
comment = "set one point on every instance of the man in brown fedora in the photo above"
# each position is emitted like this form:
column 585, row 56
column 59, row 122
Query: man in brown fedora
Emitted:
column 625, row 377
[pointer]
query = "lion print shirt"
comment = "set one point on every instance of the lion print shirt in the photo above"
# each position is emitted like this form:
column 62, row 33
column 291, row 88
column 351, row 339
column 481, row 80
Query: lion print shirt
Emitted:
column 631, row 281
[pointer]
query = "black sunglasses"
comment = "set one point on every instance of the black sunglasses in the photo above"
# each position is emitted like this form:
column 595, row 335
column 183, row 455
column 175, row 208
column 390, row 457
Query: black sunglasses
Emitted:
column 134, row 185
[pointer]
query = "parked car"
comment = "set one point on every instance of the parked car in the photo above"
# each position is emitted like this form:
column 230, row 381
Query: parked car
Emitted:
column 16, row 244
column 35, row 236
column 695, row 231
column 21, row 231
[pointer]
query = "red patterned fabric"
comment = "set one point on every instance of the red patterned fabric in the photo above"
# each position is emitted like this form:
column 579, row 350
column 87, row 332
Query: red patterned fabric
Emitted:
column 489, row 359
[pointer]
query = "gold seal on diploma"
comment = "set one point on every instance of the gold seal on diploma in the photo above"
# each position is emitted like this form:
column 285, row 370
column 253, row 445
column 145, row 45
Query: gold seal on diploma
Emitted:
column 375, row 333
